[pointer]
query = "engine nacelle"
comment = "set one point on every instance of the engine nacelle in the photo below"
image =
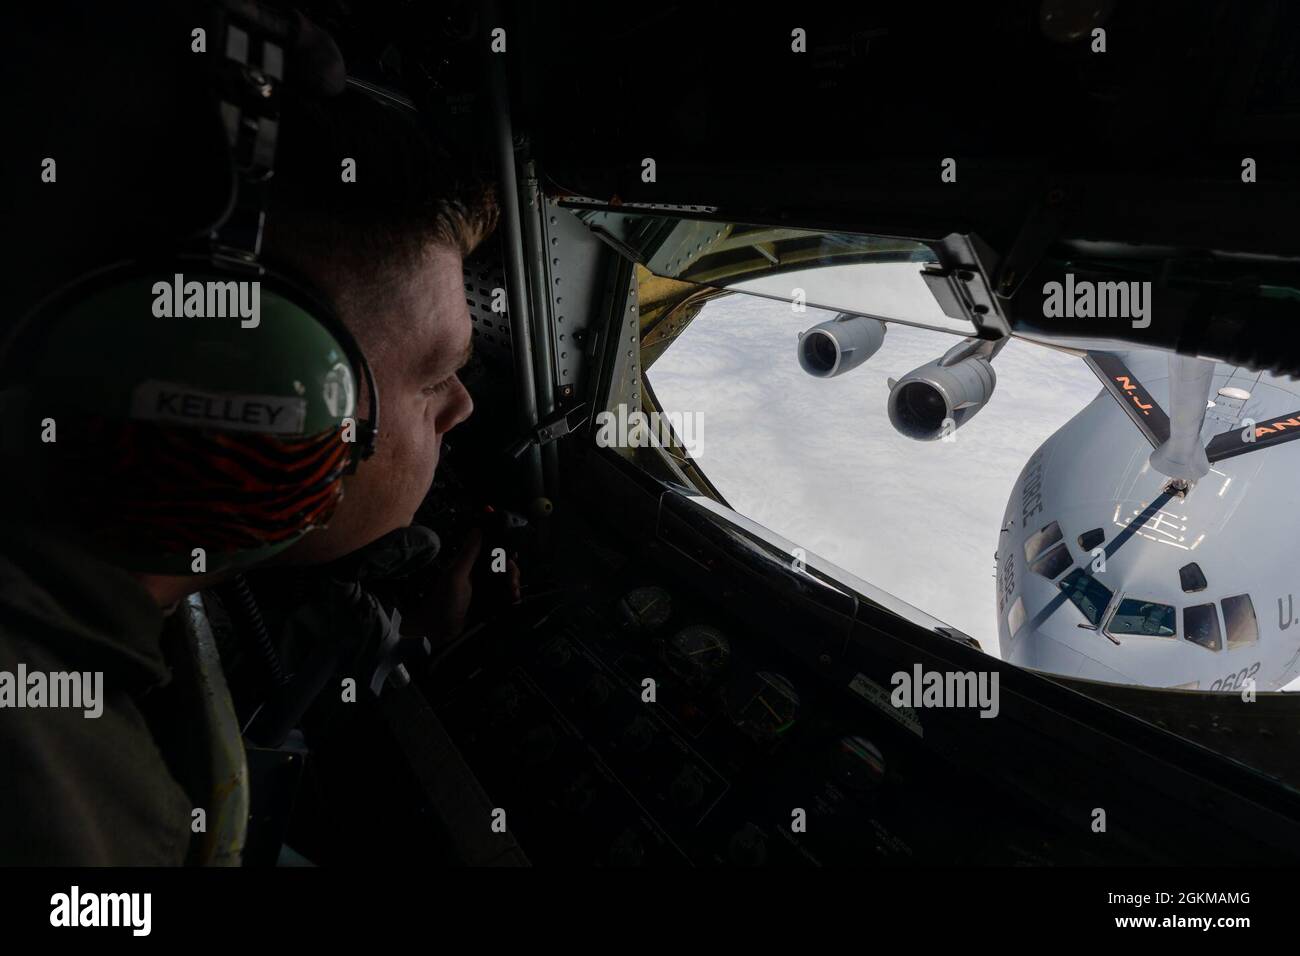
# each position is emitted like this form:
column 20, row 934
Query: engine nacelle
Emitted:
column 925, row 397
column 845, row 342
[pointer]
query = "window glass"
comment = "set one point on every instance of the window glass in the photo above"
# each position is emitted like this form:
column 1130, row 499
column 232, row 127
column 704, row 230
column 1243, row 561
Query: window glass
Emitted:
column 1089, row 595
column 1016, row 617
column 1053, row 563
column 787, row 470
column 1239, row 620
column 1191, row 578
column 1135, row 616
column 1040, row 541
column 1201, row 626
column 1090, row 539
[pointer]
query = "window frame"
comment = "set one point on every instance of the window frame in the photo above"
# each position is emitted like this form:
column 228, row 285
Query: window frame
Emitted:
column 1100, row 542
column 1101, row 615
column 1218, row 626
column 1046, row 543
column 1183, row 584
column 1228, row 643
column 1120, row 603
column 1039, row 562
column 1016, row 616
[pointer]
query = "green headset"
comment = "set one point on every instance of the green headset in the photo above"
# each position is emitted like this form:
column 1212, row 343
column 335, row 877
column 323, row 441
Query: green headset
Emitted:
column 195, row 411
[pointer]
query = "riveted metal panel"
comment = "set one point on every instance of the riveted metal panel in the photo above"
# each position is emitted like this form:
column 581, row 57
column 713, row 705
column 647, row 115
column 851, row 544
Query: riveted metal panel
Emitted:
column 576, row 263
column 485, row 274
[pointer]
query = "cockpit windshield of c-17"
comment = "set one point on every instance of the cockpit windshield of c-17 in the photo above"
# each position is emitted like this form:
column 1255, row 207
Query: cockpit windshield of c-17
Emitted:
column 1091, row 510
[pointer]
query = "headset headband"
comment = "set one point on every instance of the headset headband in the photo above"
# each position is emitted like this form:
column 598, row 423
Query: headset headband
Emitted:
column 248, row 77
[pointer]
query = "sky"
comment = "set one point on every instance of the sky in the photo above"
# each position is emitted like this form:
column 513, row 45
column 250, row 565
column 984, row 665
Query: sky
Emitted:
column 817, row 461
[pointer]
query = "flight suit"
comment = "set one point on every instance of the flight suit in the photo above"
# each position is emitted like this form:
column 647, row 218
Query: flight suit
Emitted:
column 121, row 788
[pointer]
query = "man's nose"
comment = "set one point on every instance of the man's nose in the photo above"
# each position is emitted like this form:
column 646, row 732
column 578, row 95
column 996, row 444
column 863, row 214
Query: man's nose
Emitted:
column 458, row 409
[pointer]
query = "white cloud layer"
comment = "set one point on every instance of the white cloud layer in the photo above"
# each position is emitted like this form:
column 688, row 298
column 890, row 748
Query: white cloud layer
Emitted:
column 817, row 461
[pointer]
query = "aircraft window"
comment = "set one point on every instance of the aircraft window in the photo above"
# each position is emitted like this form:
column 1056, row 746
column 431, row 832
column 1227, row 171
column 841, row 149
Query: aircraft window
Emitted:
column 1040, row 541
column 1239, row 619
column 1053, row 563
column 1135, row 616
column 1089, row 595
column 839, row 272
column 1016, row 617
column 1191, row 577
column 1090, row 539
column 1201, row 625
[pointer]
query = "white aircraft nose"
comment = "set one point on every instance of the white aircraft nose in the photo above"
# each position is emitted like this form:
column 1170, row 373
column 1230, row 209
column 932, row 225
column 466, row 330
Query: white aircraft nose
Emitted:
column 1038, row 651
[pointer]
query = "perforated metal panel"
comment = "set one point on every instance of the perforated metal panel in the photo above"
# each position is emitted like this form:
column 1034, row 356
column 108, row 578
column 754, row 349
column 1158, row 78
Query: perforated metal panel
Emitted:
column 484, row 275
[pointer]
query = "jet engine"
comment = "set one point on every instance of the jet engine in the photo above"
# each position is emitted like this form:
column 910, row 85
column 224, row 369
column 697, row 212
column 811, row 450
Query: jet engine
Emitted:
column 953, row 387
column 845, row 342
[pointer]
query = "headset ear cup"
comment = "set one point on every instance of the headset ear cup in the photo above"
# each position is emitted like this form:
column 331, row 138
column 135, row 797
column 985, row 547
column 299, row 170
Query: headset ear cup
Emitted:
column 231, row 433
column 299, row 290
column 123, row 377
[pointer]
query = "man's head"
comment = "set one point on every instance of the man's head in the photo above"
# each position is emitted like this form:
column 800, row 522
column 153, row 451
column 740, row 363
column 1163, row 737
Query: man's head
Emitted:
column 387, row 249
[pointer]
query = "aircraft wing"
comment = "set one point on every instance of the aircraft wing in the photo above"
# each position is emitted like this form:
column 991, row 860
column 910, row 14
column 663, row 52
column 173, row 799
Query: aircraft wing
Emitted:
column 1270, row 431
column 1154, row 423
column 1127, row 389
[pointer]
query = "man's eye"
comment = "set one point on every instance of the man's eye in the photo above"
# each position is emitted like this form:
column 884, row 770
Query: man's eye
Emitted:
column 442, row 386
